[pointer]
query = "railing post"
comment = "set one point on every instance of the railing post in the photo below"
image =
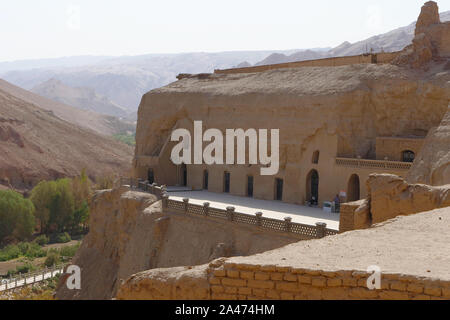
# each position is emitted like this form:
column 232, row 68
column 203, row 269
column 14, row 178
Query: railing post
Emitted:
column 163, row 189
column 287, row 224
column 165, row 200
column 259, row 218
column 230, row 213
column 206, row 208
column 320, row 229
column 186, row 203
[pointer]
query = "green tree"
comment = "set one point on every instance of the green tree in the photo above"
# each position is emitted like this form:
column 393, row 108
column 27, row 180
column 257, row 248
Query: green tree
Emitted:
column 16, row 215
column 62, row 206
column 41, row 196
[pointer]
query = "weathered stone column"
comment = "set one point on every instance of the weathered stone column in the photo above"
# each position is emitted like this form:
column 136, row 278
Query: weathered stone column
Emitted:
column 206, row 208
column 287, row 224
column 186, row 203
column 259, row 218
column 320, row 229
column 230, row 213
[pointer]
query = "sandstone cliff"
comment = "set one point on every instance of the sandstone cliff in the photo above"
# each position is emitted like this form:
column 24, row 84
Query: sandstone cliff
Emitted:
column 432, row 166
column 357, row 103
column 129, row 233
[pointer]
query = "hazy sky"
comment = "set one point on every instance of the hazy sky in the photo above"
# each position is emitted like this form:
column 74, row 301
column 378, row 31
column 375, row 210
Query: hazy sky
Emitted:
column 32, row 29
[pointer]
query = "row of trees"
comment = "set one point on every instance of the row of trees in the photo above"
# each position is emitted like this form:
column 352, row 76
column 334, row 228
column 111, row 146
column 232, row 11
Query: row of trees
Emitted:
column 54, row 206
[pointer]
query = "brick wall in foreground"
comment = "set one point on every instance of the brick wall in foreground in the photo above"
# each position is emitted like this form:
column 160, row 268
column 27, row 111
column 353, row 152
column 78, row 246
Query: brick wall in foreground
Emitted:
column 253, row 282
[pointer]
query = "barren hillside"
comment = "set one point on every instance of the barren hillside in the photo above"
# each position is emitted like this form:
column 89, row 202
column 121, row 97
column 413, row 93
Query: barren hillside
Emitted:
column 36, row 145
column 102, row 124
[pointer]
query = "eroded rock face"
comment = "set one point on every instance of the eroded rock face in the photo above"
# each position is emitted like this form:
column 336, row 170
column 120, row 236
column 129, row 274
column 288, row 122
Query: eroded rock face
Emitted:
column 429, row 15
column 391, row 196
column 431, row 41
column 129, row 233
column 432, row 165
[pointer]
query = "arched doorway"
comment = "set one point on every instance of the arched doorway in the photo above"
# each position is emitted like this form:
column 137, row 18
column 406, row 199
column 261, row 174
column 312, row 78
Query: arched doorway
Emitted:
column 353, row 189
column 312, row 187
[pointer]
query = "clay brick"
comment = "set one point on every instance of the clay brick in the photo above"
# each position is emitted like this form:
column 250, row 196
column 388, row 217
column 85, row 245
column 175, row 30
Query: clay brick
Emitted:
column 283, row 269
column 247, row 274
column 393, row 295
column 261, row 293
column 421, row 297
column 329, row 274
column 229, row 265
column 217, row 289
column 337, row 293
column 272, row 294
column 304, row 279
column 398, row 285
column 262, row 276
column 307, row 292
column 234, row 282
column 276, row 276
column 363, row 293
column 245, row 291
column 286, row 296
column 433, row 291
column 261, row 284
column 214, row 280
column 319, row 282
column 232, row 273
column 384, row 285
column 290, row 277
column 334, row 282
column 359, row 274
column 232, row 290
column 287, row 286
column 247, row 267
column 242, row 297
column 219, row 273
column 223, row 296
column 362, row 282
column 268, row 268
column 415, row 288
column 350, row 282
column 446, row 293
column 312, row 272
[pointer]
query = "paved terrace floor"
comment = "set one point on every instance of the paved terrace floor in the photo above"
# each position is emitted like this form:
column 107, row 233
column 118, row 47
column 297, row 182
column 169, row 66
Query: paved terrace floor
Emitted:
column 270, row 209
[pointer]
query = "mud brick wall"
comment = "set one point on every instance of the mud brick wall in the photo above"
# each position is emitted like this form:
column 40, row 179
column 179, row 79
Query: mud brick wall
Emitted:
column 253, row 282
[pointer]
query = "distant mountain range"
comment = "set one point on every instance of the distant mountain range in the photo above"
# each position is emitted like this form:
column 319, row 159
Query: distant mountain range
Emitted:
column 99, row 123
column 84, row 98
column 392, row 41
column 114, row 85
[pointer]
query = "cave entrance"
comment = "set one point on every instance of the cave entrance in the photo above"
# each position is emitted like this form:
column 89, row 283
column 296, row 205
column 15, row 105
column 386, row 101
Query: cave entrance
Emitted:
column 151, row 176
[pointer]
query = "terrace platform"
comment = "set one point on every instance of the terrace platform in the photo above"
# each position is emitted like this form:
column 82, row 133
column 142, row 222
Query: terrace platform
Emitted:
column 270, row 209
